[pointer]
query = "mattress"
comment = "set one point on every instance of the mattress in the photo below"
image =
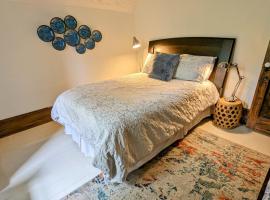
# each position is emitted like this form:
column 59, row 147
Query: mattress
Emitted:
column 123, row 123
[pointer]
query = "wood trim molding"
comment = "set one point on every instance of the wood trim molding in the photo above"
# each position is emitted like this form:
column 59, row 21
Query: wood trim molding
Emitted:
column 25, row 121
column 256, row 119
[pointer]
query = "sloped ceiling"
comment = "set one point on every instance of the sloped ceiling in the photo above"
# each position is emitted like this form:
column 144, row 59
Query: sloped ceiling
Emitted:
column 115, row 5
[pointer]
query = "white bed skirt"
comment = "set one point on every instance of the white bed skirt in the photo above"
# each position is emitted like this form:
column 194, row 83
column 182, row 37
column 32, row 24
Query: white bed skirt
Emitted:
column 88, row 151
column 85, row 148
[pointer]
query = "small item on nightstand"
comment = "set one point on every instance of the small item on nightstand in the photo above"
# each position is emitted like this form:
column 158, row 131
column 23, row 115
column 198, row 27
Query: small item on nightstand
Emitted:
column 228, row 114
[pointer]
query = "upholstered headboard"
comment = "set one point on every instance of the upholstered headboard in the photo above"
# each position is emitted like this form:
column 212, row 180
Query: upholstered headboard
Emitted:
column 222, row 48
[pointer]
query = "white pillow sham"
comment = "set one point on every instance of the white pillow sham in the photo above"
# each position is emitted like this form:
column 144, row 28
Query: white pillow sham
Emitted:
column 195, row 68
column 148, row 64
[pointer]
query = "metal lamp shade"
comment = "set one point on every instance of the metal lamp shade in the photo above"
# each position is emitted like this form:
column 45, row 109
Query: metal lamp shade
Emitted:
column 136, row 43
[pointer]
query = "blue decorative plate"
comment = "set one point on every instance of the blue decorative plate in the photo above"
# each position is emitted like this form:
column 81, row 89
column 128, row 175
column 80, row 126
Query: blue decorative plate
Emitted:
column 59, row 44
column 96, row 35
column 84, row 31
column 58, row 25
column 80, row 48
column 70, row 22
column 89, row 43
column 45, row 33
column 72, row 38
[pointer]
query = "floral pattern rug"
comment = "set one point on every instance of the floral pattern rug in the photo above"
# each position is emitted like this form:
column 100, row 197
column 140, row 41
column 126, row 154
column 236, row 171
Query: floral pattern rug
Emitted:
column 201, row 166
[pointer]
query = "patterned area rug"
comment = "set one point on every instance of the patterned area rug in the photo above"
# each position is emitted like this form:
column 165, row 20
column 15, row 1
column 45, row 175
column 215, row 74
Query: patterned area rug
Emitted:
column 201, row 166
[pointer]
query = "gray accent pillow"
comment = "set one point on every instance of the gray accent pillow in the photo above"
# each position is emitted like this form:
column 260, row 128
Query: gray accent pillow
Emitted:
column 195, row 68
column 164, row 66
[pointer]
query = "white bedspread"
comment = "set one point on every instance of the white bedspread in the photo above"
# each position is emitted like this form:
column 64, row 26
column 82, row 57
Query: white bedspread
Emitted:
column 127, row 121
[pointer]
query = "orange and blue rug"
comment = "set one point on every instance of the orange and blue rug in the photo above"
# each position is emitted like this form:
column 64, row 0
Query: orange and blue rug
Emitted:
column 201, row 166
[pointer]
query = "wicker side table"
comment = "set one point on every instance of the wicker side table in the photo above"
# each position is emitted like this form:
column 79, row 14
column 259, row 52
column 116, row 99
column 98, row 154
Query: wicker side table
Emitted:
column 228, row 114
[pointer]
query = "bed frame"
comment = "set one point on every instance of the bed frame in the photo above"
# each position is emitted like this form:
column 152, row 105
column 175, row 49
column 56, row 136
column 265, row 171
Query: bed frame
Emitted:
column 222, row 48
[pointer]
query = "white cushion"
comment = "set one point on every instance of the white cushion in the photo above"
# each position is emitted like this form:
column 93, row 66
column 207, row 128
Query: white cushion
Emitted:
column 148, row 64
column 195, row 68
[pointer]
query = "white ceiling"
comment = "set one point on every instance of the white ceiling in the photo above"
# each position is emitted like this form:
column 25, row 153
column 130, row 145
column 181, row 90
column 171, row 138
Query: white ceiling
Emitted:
column 116, row 5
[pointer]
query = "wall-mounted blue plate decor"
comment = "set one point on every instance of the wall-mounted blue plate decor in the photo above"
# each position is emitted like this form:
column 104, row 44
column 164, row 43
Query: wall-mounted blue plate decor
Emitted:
column 65, row 31
column 84, row 31
column 72, row 38
column 45, row 33
column 96, row 35
column 70, row 22
column 89, row 43
column 80, row 48
column 59, row 44
column 58, row 25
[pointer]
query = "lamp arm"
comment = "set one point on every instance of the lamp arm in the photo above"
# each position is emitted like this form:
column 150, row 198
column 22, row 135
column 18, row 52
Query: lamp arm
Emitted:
column 233, row 97
column 237, row 69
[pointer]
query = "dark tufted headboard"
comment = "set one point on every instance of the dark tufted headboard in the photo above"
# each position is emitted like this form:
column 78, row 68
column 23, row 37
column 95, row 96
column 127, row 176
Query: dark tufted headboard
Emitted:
column 222, row 48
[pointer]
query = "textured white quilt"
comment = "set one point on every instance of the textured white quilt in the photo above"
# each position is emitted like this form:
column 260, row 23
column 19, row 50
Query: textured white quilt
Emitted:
column 129, row 120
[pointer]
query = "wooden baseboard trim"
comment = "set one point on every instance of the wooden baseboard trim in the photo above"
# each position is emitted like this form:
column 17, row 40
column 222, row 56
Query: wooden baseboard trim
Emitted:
column 25, row 121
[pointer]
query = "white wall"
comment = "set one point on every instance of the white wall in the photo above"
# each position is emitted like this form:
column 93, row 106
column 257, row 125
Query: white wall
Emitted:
column 246, row 20
column 32, row 73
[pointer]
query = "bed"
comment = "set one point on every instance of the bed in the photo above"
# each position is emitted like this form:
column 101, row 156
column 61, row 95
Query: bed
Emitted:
column 123, row 123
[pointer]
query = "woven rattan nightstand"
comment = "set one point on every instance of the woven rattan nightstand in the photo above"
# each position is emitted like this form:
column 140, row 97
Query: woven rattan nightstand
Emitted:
column 228, row 114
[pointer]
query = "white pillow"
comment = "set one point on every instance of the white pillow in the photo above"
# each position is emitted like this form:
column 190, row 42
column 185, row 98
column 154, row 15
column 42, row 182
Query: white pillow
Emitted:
column 148, row 64
column 195, row 68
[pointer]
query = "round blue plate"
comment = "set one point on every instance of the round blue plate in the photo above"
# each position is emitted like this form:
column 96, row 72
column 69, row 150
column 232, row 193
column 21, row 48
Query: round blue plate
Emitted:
column 59, row 44
column 58, row 25
column 70, row 22
column 84, row 31
column 45, row 33
column 80, row 48
column 96, row 35
column 89, row 43
column 72, row 38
